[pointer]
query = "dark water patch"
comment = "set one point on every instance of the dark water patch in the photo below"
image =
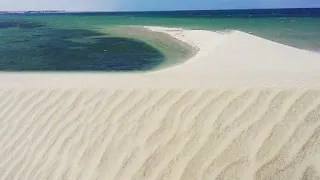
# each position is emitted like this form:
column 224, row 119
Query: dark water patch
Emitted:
column 19, row 24
column 50, row 49
column 71, row 33
column 21, row 41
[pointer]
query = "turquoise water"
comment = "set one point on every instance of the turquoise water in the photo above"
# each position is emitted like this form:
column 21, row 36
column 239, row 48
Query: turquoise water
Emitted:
column 83, row 42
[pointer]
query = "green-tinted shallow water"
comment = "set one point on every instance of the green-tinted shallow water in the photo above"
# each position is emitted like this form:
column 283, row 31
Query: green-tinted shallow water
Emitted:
column 87, row 41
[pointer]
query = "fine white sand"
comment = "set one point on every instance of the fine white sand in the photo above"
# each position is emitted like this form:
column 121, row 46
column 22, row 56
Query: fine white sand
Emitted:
column 242, row 108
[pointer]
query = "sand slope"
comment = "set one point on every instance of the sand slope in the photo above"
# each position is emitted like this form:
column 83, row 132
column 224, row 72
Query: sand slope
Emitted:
column 240, row 59
column 242, row 108
column 160, row 134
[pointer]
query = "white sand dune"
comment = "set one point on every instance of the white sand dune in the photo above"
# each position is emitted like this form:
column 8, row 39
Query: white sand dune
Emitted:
column 242, row 108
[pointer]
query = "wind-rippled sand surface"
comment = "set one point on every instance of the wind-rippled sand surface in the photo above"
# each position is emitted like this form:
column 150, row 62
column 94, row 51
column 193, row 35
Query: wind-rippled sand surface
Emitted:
column 160, row 134
column 242, row 108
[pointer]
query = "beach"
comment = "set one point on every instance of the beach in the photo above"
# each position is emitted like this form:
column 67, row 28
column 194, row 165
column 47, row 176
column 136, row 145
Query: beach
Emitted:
column 242, row 107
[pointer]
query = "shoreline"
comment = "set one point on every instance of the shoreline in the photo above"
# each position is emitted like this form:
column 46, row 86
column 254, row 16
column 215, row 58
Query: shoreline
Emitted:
column 222, row 38
column 176, row 52
column 233, row 59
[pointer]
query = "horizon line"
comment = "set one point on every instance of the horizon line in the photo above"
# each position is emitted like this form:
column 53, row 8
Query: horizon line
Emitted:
column 133, row 11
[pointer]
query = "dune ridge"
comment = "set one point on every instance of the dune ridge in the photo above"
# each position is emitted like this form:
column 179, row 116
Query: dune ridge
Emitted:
column 234, row 111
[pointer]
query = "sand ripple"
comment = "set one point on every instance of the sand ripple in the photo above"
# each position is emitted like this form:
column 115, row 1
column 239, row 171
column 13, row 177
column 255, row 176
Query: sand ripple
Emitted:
column 160, row 134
